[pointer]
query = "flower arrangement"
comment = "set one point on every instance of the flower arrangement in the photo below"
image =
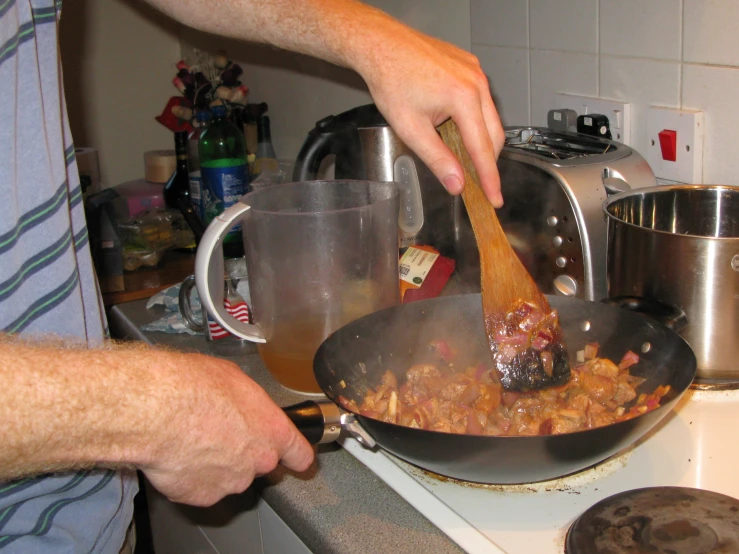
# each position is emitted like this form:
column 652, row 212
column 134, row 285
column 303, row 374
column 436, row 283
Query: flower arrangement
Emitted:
column 208, row 81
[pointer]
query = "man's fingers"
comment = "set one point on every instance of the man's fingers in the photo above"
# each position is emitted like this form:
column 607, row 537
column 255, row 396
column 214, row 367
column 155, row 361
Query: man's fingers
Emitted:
column 483, row 155
column 493, row 124
column 479, row 144
column 432, row 151
column 298, row 456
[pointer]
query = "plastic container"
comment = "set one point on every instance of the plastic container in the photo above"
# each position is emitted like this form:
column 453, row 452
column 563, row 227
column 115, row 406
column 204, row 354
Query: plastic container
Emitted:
column 136, row 197
column 319, row 254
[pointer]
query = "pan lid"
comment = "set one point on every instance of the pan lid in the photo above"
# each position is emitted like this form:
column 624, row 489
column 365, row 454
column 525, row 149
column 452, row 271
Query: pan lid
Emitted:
column 676, row 520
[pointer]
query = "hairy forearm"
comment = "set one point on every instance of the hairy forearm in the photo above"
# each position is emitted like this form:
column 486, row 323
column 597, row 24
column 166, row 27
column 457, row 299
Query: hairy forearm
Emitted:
column 196, row 425
column 334, row 30
column 64, row 407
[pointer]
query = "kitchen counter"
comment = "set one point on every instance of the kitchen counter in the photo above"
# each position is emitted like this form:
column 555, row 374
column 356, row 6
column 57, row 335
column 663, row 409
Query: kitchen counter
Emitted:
column 339, row 505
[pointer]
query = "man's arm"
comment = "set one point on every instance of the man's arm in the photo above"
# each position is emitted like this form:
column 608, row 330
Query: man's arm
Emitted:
column 416, row 81
column 196, row 425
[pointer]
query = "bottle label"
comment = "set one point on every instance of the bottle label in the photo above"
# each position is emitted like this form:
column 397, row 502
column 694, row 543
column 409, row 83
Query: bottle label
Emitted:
column 415, row 264
column 221, row 188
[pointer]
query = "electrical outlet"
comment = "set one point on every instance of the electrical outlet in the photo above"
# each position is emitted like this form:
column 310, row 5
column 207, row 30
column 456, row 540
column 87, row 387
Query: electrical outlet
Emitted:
column 618, row 113
column 675, row 144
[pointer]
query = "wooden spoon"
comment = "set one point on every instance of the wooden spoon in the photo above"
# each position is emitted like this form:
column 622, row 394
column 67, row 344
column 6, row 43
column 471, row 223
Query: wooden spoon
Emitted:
column 506, row 284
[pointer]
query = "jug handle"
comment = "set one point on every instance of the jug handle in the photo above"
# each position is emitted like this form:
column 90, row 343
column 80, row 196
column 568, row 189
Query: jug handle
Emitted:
column 210, row 271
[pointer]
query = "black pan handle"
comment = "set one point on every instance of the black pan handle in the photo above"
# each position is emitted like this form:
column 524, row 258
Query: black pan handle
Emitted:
column 318, row 421
column 667, row 314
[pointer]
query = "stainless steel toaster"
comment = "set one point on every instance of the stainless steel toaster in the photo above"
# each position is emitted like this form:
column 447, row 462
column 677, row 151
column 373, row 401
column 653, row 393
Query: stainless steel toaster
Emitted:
column 554, row 184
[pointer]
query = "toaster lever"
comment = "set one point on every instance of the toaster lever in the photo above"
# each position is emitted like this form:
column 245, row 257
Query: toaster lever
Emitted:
column 614, row 185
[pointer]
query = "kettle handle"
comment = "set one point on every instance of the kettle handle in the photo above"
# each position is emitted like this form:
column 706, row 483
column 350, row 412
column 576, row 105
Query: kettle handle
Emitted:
column 330, row 136
column 210, row 272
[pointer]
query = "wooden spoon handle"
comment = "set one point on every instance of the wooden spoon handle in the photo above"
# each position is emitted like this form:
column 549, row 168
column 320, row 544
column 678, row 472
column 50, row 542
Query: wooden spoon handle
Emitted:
column 504, row 279
column 506, row 285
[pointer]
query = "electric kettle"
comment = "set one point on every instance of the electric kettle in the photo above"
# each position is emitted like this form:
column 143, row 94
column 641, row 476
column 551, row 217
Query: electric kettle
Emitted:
column 366, row 148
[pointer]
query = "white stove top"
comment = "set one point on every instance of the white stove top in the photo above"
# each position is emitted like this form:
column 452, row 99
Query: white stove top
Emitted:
column 695, row 445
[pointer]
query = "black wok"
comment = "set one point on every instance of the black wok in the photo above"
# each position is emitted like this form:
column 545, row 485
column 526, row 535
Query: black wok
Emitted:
column 353, row 359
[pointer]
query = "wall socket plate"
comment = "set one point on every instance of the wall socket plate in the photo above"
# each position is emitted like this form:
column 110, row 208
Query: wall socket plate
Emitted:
column 617, row 112
column 688, row 164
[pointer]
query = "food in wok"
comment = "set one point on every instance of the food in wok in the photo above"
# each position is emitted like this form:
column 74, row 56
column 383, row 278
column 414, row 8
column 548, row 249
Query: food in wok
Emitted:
column 471, row 400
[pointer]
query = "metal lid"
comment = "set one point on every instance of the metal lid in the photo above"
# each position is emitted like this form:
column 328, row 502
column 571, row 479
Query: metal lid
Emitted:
column 674, row 520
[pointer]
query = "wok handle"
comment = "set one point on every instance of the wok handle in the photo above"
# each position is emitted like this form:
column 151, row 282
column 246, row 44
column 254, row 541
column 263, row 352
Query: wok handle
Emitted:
column 318, row 420
column 667, row 314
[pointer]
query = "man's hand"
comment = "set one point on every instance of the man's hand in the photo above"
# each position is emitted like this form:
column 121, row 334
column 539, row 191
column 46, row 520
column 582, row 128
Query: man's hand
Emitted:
column 226, row 432
column 196, row 425
column 420, row 84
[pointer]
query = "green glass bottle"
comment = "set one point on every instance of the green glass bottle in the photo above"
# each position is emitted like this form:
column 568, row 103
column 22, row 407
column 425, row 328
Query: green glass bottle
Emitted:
column 224, row 174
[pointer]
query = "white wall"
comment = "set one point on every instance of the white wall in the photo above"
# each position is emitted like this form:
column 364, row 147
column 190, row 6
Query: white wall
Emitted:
column 673, row 53
column 119, row 60
column 301, row 90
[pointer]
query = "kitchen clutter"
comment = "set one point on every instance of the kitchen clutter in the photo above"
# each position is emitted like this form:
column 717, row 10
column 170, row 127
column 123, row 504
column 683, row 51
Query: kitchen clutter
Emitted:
column 217, row 138
column 183, row 312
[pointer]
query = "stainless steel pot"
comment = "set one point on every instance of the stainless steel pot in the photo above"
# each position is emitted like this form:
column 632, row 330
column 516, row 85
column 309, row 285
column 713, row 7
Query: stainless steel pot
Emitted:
column 680, row 245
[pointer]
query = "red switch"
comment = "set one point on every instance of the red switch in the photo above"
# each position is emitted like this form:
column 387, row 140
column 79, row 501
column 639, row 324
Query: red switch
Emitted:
column 668, row 144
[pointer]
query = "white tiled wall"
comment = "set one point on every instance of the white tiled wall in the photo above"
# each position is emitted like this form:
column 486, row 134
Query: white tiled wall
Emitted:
column 673, row 53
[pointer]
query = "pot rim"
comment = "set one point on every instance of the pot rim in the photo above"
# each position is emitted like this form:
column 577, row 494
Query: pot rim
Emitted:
column 646, row 191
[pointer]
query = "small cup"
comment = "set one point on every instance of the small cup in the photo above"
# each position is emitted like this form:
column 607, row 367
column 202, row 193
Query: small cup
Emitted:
column 234, row 303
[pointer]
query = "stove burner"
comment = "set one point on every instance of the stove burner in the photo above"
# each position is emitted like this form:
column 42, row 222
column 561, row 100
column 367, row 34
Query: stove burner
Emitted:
column 715, row 384
column 664, row 520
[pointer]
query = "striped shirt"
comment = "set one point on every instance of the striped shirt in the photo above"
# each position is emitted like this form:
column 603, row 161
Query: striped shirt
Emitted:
column 47, row 280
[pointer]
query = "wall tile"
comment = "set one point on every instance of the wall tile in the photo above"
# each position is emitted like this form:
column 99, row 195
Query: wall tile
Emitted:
column 713, row 91
column 508, row 72
column 711, row 32
column 642, row 83
column 499, row 22
column 569, row 25
column 553, row 72
column 645, row 29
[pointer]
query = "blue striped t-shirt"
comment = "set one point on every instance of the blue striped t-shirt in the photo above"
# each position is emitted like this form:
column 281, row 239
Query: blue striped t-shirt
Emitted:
column 47, row 281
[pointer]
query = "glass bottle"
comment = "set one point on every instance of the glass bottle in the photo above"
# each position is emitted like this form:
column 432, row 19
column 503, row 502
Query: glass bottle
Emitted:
column 177, row 190
column 223, row 172
column 178, row 184
column 202, row 119
column 266, row 159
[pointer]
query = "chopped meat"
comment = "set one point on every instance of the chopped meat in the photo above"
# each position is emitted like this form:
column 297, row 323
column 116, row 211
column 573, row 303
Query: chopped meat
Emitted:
column 564, row 421
column 624, row 393
column 598, row 387
column 603, row 367
column 415, row 373
column 579, row 401
column 473, row 402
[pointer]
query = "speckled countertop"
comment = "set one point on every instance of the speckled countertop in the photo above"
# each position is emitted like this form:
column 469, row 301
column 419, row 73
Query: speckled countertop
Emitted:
column 338, row 505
